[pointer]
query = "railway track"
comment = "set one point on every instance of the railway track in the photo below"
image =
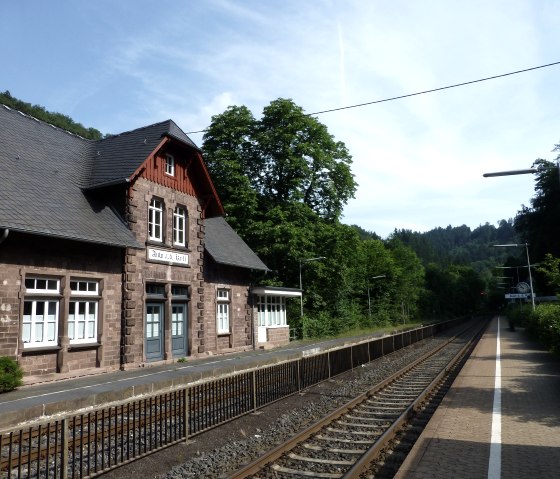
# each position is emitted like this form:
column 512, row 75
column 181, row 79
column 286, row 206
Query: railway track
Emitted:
column 350, row 440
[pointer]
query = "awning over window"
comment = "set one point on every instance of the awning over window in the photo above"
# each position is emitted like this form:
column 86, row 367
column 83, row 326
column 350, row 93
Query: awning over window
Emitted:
column 277, row 291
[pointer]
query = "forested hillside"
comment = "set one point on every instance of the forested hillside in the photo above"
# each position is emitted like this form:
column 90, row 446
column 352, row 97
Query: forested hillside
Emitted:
column 460, row 245
column 57, row 119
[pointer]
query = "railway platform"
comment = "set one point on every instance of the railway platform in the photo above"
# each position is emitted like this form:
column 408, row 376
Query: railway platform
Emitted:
column 501, row 417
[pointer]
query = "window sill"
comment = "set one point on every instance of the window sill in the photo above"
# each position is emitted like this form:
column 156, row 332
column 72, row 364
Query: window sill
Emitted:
column 80, row 346
column 224, row 334
column 151, row 242
column 40, row 350
column 164, row 245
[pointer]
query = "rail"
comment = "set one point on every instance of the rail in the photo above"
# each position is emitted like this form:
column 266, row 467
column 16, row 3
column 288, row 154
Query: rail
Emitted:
column 88, row 444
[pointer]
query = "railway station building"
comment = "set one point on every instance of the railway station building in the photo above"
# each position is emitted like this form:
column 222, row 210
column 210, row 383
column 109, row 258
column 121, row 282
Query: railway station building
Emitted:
column 115, row 254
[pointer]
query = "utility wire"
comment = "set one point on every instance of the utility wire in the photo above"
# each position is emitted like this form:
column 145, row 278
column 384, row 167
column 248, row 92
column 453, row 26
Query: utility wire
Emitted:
column 420, row 92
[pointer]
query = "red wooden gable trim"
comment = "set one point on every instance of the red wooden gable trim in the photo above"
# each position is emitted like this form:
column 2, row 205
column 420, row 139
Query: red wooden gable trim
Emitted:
column 191, row 175
column 219, row 211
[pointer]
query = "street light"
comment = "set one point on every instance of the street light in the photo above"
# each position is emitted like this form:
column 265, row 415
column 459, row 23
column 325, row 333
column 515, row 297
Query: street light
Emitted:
column 510, row 173
column 301, row 262
column 368, row 296
column 528, row 265
column 519, row 172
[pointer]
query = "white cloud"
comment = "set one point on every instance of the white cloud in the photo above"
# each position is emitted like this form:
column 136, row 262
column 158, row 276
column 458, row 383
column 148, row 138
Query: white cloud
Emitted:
column 418, row 161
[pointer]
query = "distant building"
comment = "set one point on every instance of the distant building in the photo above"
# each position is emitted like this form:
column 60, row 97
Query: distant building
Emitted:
column 115, row 253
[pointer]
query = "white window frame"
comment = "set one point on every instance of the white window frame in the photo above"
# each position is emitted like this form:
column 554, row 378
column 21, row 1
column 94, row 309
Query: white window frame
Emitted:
column 84, row 287
column 223, row 311
column 179, row 226
column 169, row 165
column 33, row 285
column 155, row 220
column 82, row 328
column 41, row 330
column 272, row 311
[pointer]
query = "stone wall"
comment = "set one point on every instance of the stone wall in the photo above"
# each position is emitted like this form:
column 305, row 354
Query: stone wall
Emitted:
column 24, row 255
column 139, row 270
column 237, row 282
column 278, row 336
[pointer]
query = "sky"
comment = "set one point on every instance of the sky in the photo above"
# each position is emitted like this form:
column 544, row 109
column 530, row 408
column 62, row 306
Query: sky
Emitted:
column 418, row 161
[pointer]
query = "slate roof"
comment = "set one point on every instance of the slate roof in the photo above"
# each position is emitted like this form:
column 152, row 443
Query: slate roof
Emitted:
column 44, row 170
column 226, row 247
column 50, row 177
column 118, row 157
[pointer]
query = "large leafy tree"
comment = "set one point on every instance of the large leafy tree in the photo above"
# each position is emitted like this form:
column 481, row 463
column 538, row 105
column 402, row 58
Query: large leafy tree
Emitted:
column 284, row 181
column 229, row 155
column 287, row 156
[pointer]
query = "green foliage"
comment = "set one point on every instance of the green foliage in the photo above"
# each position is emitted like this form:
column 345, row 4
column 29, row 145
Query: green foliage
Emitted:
column 550, row 269
column 286, row 157
column 57, row 119
column 453, row 291
column 538, row 224
column 11, row 374
column 460, row 245
column 284, row 180
column 543, row 323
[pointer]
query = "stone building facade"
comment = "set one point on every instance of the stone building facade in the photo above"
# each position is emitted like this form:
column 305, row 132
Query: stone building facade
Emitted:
column 115, row 254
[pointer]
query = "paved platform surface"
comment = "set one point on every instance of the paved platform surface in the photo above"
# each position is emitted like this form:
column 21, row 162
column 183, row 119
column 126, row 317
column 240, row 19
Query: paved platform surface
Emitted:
column 482, row 430
column 34, row 402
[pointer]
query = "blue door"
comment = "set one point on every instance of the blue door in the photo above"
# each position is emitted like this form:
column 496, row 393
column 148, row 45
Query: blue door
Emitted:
column 154, row 331
column 179, row 329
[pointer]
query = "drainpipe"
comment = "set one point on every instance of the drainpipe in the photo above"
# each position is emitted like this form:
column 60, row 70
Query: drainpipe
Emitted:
column 4, row 235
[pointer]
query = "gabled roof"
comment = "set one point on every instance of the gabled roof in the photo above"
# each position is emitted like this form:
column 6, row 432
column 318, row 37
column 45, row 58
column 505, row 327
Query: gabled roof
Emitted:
column 117, row 157
column 226, row 247
column 44, row 170
column 50, row 179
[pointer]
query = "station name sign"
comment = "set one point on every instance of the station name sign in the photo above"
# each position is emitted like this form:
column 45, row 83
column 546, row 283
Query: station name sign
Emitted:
column 517, row 295
column 169, row 257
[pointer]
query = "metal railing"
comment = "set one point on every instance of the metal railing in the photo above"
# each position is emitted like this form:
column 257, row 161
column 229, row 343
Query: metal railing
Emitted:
column 86, row 445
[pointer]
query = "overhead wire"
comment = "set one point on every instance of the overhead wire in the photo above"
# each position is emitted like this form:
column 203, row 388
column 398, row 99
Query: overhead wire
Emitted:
column 420, row 92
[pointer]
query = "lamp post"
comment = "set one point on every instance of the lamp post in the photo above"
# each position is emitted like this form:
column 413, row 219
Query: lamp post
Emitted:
column 521, row 172
column 528, row 265
column 368, row 295
column 301, row 262
column 518, row 172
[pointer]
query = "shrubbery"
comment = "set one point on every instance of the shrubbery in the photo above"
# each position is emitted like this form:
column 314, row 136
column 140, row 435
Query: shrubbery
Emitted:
column 542, row 324
column 10, row 374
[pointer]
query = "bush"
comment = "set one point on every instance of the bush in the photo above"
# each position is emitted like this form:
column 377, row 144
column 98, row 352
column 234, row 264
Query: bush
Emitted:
column 548, row 319
column 542, row 324
column 10, row 374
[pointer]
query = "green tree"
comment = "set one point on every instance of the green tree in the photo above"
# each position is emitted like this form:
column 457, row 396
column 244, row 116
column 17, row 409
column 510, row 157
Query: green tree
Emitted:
column 539, row 224
column 550, row 269
column 284, row 180
column 287, row 156
column 229, row 155
column 409, row 274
